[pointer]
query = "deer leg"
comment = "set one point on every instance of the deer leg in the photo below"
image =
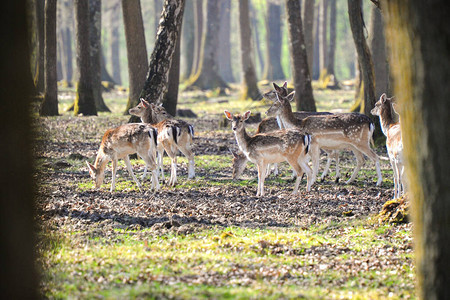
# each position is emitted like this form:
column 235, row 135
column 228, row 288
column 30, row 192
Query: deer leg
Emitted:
column 327, row 166
column 359, row 163
column 190, row 156
column 275, row 169
column 160, row 157
column 151, row 162
column 261, row 177
column 374, row 157
column 307, row 170
column 114, row 170
column 315, row 158
column 130, row 170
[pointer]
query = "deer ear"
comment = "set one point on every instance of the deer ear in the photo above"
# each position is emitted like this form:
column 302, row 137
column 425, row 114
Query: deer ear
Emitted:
column 285, row 85
column 144, row 102
column 277, row 88
column 247, row 115
column 92, row 169
column 383, row 98
column 291, row 96
column 228, row 115
column 395, row 106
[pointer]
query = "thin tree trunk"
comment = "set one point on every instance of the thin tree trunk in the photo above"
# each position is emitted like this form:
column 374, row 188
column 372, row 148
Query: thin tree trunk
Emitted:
column 114, row 43
column 308, row 25
column 255, row 27
column 364, row 59
column 224, row 47
column 249, row 84
column 187, row 41
column 18, row 274
column 84, row 99
column 332, row 45
column 377, row 46
column 302, row 80
column 156, row 85
column 39, row 79
column 49, row 106
column 136, row 50
column 323, row 35
column 198, row 33
column 66, row 35
column 316, row 45
column 207, row 76
column 170, row 100
column 417, row 34
column 273, row 69
column 95, row 20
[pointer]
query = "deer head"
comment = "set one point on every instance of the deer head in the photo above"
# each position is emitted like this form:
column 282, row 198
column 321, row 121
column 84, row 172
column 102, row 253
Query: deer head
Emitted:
column 237, row 121
column 96, row 174
column 280, row 104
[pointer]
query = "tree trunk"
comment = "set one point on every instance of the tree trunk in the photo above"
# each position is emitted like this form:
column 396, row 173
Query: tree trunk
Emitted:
column 316, row 45
column 66, row 35
column 224, row 47
column 308, row 25
column 302, row 80
column 417, row 34
column 364, row 59
column 49, row 106
column 198, row 34
column 105, row 74
column 332, row 45
column 207, row 76
column 18, row 274
column 136, row 50
column 39, row 78
column 323, row 35
column 249, row 84
column 377, row 46
column 114, row 43
column 255, row 27
column 273, row 69
column 187, row 41
column 84, row 99
column 156, row 85
column 95, row 21
column 170, row 100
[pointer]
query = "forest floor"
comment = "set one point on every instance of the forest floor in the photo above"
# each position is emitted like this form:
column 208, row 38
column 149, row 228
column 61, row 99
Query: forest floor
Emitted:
column 210, row 237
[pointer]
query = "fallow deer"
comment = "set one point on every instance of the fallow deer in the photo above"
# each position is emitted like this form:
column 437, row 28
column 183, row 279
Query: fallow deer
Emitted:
column 239, row 160
column 384, row 109
column 118, row 143
column 351, row 131
column 174, row 135
column 274, row 147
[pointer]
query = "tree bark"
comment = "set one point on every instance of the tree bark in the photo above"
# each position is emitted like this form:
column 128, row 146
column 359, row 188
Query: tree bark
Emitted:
column 95, row 21
column 332, row 44
column 49, row 106
column 377, row 46
column 66, row 33
column 323, row 35
column 249, row 84
column 417, row 34
column 302, row 79
column 18, row 274
column 224, row 47
column 114, row 43
column 155, row 86
column 273, row 69
column 136, row 50
column 308, row 25
column 84, row 99
column 207, row 76
column 254, row 22
column 364, row 59
column 170, row 100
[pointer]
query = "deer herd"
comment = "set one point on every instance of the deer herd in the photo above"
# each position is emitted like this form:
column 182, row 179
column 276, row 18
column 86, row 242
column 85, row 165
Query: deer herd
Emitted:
column 294, row 137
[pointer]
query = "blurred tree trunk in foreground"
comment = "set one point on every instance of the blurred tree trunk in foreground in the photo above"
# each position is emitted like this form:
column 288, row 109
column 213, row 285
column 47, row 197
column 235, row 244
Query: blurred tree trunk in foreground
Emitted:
column 18, row 274
column 418, row 36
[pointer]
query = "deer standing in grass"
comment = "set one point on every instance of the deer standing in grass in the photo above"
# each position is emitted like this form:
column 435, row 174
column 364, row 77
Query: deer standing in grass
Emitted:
column 118, row 143
column 173, row 135
column 351, row 131
column 270, row 124
column 274, row 147
column 384, row 109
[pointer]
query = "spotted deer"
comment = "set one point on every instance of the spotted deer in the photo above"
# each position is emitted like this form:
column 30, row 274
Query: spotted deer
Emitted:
column 174, row 135
column 384, row 109
column 351, row 131
column 118, row 143
column 270, row 124
column 274, row 147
